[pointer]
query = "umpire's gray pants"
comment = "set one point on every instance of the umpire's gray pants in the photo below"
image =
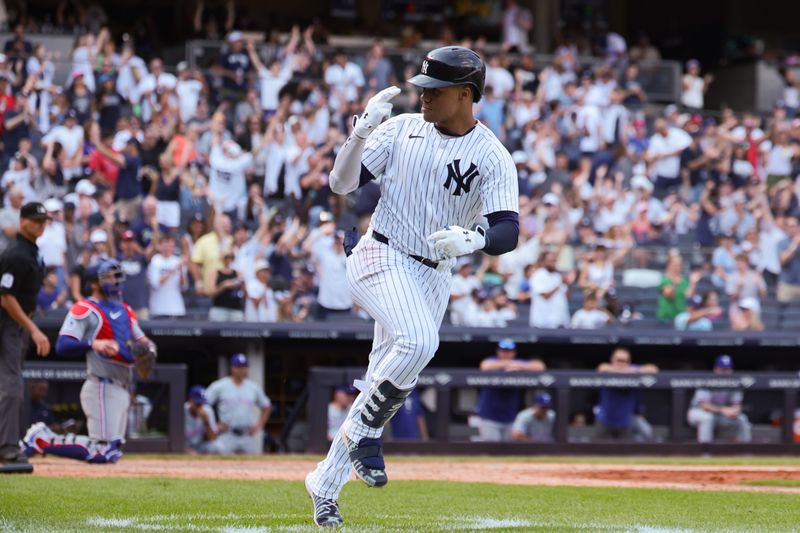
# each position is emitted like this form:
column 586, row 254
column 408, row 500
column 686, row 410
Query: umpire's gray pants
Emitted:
column 13, row 345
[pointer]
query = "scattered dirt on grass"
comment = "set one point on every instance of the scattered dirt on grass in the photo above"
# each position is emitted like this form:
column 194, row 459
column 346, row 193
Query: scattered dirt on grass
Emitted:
column 694, row 477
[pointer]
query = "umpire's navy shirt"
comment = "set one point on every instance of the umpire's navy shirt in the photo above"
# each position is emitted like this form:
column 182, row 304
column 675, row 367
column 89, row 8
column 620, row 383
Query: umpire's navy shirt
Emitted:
column 22, row 272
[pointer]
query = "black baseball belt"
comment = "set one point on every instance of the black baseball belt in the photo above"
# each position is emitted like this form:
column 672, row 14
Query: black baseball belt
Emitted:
column 424, row 260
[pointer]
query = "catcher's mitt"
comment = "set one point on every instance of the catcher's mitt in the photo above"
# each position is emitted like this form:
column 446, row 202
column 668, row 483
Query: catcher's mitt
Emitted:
column 144, row 357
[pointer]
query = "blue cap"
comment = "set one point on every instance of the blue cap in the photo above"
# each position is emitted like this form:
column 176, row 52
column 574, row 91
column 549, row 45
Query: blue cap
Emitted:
column 695, row 301
column 349, row 389
column 198, row 394
column 239, row 359
column 723, row 361
column 507, row 344
column 543, row 399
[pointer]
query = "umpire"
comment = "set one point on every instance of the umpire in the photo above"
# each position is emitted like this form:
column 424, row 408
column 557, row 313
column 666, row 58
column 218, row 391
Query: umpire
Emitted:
column 21, row 274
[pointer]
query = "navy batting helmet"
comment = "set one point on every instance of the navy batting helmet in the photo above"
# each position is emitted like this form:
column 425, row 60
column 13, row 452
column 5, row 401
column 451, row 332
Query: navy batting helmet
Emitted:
column 452, row 65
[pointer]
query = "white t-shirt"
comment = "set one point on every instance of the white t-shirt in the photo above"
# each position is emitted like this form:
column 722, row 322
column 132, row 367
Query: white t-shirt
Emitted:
column 590, row 123
column 676, row 139
column 274, row 155
column 70, row 138
column 693, row 95
column 188, row 92
column 739, row 134
column 779, row 160
column 514, row 262
column 270, row 85
column 600, row 274
column 345, row 80
column 524, row 113
column 239, row 406
column 791, row 96
column 462, row 287
column 770, row 258
column 584, row 319
column 126, row 81
column 500, row 80
column 226, row 181
column 53, row 244
column 550, row 312
column 513, row 32
column 20, row 178
column 164, row 82
column 334, row 293
column 266, row 310
column 166, row 298
column 81, row 62
column 296, row 167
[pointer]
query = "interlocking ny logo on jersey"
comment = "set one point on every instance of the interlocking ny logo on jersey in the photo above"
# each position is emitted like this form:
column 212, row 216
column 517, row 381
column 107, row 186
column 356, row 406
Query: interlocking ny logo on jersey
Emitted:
column 463, row 181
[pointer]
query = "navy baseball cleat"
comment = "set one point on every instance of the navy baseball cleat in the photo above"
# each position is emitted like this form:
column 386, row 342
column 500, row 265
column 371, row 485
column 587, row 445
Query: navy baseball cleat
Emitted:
column 326, row 511
column 366, row 456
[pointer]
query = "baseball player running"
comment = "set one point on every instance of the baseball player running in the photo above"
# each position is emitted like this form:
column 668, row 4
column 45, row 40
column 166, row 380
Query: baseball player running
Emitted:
column 439, row 172
column 107, row 332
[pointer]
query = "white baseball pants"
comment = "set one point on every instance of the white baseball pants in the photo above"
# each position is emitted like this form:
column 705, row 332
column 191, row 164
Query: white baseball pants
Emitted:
column 407, row 300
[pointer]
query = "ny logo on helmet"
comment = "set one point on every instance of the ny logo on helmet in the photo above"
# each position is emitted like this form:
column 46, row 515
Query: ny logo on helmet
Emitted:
column 425, row 67
column 463, row 181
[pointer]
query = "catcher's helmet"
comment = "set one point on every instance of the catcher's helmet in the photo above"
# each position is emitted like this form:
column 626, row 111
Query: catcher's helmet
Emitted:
column 109, row 274
column 452, row 65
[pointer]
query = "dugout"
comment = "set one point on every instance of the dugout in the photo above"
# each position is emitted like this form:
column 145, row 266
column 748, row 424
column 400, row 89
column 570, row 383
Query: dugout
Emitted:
column 282, row 355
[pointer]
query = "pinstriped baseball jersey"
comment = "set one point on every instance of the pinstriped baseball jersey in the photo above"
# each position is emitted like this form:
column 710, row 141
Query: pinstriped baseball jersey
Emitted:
column 430, row 180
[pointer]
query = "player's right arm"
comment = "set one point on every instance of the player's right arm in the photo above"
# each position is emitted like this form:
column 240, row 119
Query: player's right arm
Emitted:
column 348, row 171
column 76, row 336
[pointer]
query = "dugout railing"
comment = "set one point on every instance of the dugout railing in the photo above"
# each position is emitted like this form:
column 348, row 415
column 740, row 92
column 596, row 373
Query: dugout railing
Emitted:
column 562, row 384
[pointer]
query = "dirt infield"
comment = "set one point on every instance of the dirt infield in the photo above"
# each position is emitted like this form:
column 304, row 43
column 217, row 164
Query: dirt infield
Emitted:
column 706, row 477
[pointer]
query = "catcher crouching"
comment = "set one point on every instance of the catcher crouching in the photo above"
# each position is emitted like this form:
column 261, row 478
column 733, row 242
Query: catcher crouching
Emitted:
column 104, row 329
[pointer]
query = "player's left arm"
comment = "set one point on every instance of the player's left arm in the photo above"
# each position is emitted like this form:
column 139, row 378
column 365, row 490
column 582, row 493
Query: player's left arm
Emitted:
column 265, row 404
column 144, row 351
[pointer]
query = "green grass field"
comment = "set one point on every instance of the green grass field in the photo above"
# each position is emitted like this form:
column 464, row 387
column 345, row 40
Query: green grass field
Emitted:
column 37, row 504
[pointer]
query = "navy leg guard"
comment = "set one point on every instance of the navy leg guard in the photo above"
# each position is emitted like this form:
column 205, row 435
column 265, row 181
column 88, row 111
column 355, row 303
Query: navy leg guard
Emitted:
column 382, row 403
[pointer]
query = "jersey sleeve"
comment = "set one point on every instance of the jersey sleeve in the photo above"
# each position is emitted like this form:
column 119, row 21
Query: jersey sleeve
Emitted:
column 212, row 393
column 378, row 147
column 80, row 323
column 12, row 271
column 262, row 400
column 136, row 329
column 500, row 188
column 521, row 421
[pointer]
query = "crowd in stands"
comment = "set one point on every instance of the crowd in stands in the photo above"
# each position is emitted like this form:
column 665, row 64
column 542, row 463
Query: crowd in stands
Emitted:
column 211, row 185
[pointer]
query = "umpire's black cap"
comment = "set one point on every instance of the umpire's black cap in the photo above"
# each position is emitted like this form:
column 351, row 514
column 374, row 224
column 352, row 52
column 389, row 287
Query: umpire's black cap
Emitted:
column 34, row 211
column 452, row 65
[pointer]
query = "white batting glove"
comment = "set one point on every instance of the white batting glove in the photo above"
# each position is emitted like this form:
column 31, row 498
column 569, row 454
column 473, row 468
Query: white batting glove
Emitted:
column 378, row 108
column 455, row 241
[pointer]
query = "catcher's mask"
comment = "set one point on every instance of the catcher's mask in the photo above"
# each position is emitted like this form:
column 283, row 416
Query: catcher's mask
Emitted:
column 111, row 278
